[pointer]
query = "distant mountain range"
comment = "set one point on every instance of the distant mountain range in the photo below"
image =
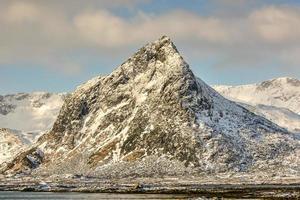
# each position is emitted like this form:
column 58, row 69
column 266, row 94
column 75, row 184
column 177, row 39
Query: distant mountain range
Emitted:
column 28, row 115
column 30, row 112
column 152, row 116
column 11, row 143
column 278, row 100
column 24, row 117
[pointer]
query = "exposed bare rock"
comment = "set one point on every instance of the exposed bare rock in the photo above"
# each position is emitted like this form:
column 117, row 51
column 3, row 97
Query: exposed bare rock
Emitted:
column 152, row 107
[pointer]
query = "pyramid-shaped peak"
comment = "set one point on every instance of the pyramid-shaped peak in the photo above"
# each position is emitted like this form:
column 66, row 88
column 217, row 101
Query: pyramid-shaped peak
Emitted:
column 152, row 109
column 163, row 42
column 159, row 58
column 160, row 53
column 165, row 37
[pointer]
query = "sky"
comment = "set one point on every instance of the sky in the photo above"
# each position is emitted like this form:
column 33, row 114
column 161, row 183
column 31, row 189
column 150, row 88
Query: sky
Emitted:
column 56, row 45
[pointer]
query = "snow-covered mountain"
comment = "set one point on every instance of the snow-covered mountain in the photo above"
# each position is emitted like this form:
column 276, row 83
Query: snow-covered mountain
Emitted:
column 278, row 100
column 281, row 116
column 30, row 112
column 11, row 143
column 24, row 117
column 151, row 116
column 281, row 92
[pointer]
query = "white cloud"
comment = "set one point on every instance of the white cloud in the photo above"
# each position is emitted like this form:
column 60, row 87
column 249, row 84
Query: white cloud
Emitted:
column 21, row 12
column 102, row 28
column 48, row 34
column 106, row 29
column 278, row 25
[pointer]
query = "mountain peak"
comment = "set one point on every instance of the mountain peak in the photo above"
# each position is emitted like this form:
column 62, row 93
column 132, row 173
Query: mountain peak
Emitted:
column 288, row 80
column 152, row 107
column 156, row 59
column 164, row 40
column 279, row 82
column 159, row 50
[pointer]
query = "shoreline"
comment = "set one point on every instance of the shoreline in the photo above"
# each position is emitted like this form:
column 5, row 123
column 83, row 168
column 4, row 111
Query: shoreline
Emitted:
column 194, row 188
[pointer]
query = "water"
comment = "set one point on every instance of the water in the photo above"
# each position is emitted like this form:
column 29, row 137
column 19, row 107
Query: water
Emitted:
column 90, row 196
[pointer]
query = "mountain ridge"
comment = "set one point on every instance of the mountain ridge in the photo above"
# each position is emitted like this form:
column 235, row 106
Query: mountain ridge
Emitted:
column 34, row 112
column 24, row 117
column 280, row 92
column 276, row 99
column 11, row 143
column 152, row 107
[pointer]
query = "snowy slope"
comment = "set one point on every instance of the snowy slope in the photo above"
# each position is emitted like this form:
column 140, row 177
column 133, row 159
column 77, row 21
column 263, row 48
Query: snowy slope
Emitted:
column 281, row 116
column 23, row 118
column 278, row 100
column 281, row 92
column 152, row 113
column 30, row 112
column 11, row 143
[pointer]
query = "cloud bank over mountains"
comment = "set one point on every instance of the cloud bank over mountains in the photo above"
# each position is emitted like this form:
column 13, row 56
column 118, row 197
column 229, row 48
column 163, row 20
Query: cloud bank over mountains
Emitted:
column 50, row 34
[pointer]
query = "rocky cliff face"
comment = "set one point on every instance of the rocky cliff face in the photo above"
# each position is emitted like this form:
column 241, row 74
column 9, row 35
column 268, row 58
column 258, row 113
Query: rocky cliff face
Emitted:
column 152, row 115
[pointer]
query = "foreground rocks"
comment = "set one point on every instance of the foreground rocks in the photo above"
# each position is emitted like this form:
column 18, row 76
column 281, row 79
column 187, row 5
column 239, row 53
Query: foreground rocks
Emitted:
column 219, row 186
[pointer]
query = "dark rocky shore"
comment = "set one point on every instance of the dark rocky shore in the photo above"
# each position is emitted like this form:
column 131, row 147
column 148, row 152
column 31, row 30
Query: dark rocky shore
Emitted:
column 229, row 188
